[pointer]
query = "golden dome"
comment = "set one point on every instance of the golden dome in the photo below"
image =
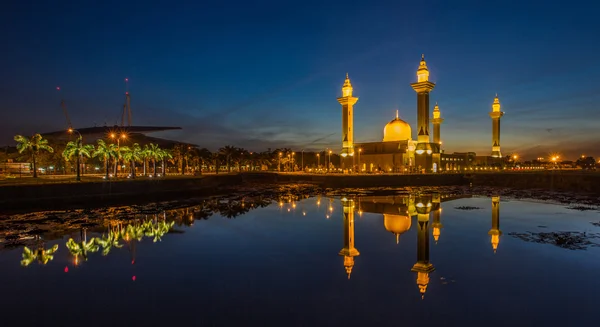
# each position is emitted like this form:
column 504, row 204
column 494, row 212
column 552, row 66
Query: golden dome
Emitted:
column 396, row 130
column 397, row 224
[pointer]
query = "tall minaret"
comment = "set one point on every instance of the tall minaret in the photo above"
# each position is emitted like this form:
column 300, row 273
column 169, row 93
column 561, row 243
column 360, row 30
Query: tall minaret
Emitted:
column 423, row 267
column 437, row 214
column 496, row 114
column 423, row 86
column 349, row 251
column 437, row 121
column 495, row 231
column 347, row 101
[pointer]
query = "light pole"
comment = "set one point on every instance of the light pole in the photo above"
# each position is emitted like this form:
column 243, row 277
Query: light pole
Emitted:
column 359, row 169
column 329, row 164
column 118, row 154
column 79, row 145
column 318, row 160
column 279, row 163
column 302, row 160
column 293, row 162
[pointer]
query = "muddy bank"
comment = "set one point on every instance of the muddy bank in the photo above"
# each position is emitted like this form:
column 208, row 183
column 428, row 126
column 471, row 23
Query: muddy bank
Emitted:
column 124, row 192
column 102, row 193
column 552, row 180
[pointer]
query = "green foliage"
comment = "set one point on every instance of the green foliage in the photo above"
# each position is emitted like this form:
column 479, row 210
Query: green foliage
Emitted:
column 42, row 255
column 77, row 148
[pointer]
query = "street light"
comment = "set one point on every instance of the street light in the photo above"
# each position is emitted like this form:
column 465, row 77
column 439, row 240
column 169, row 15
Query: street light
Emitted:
column 318, row 160
column 279, row 163
column 123, row 136
column 329, row 161
column 79, row 143
column 359, row 169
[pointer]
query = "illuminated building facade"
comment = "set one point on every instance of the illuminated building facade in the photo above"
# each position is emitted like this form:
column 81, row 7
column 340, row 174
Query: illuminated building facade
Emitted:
column 398, row 152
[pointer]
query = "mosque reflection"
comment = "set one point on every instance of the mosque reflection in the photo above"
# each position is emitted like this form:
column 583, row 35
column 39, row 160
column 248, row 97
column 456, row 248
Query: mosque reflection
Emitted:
column 398, row 212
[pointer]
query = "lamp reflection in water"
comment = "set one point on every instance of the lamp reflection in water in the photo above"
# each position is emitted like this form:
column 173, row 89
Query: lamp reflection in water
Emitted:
column 423, row 267
column 349, row 251
column 495, row 231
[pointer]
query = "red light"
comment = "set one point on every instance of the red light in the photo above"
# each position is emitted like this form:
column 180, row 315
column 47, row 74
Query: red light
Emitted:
column 132, row 261
column 58, row 88
column 133, row 278
column 127, row 93
column 126, row 79
column 66, row 269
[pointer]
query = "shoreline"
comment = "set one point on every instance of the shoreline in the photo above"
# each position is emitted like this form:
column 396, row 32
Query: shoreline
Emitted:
column 571, row 186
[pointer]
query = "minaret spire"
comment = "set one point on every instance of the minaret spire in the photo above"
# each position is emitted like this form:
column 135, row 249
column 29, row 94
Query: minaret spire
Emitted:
column 347, row 101
column 397, row 114
column 496, row 114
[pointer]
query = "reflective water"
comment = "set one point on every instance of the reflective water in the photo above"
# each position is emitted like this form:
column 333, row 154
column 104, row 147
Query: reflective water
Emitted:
column 367, row 261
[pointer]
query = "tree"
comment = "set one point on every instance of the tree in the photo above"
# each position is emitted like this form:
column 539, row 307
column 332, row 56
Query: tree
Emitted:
column 105, row 151
column 216, row 159
column 133, row 154
column 205, row 157
column 228, row 152
column 586, row 163
column 162, row 155
column 77, row 149
column 33, row 145
column 153, row 152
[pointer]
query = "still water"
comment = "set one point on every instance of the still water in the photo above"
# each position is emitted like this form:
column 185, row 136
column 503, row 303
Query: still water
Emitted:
column 361, row 261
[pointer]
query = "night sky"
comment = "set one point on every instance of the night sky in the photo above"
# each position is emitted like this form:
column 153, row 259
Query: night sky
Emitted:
column 261, row 74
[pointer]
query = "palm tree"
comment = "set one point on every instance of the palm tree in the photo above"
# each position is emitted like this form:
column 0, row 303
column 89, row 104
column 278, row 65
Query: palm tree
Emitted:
column 164, row 154
column 77, row 149
column 105, row 151
column 216, row 158
column 40, row 254
column 153, row 152
column 228, row 152
column 33, row 145
column 133, row 154
column 205, row 156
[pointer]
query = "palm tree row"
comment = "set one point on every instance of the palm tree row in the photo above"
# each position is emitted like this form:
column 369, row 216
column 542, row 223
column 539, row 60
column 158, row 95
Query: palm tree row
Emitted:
column 185, row 159
column 150, row 153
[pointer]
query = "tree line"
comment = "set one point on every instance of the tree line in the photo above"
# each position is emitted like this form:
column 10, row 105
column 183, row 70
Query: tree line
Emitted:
column 183, row 158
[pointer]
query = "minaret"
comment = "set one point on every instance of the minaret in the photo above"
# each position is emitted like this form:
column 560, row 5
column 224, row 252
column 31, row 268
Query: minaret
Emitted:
column 349, row 251
column 495, row 231
column 437, row 121
column 423, row 267
column 437, row 214
column 347, row 101
column 423, row 86
column 496, row 114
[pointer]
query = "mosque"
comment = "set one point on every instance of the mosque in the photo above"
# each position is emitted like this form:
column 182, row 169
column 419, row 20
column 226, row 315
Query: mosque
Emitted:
column 398, row 152
column 397, row 212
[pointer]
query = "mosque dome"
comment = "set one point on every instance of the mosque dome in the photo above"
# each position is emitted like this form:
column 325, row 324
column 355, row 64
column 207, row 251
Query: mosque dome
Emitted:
column 396, row 224
column 396, row 130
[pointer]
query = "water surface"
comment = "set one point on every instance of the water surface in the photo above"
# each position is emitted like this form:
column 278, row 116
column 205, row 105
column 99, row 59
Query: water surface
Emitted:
column 373, row 260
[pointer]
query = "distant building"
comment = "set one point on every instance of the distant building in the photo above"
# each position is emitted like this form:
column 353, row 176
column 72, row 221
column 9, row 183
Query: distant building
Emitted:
column 398, row 152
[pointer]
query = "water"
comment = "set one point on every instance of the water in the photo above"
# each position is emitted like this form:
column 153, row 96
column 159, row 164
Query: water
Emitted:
column 314, row 262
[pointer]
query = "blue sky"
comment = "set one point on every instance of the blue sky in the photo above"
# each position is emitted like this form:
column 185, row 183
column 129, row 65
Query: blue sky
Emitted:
column 261, row 74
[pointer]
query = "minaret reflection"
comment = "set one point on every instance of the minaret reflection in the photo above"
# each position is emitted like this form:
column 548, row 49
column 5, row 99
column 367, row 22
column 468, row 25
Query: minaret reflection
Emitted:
column 437, row 214
column 349, row 251
column 495, row 231
column 423, row 267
